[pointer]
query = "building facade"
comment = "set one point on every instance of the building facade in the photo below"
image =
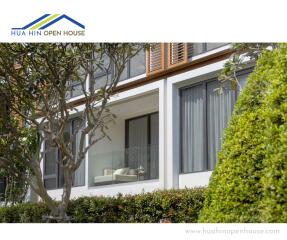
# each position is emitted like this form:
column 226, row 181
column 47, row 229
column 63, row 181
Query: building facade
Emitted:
column 169, row 126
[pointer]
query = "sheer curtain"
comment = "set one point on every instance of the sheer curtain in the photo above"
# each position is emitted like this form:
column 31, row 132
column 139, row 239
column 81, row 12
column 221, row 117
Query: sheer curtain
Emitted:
column 143, row 136
column 50, row 166
column 192, row 129
column 219, row 109
column 138, row 142
column 2, row 188
column 79, row 179
column 205, row 113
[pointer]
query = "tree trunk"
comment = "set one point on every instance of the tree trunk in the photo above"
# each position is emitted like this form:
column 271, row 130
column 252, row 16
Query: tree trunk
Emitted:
column 37, row 185
column 67, row 187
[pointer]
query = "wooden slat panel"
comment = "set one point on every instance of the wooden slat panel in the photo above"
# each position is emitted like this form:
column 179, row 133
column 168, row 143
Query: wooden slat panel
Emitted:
column 177, row 54
column 155, row 58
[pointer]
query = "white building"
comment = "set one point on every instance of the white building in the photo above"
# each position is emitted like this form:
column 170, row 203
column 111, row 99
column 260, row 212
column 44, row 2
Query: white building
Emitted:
column 168, row 128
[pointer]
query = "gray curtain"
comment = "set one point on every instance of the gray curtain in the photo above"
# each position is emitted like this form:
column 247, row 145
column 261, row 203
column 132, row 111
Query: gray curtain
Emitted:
column 138, row 142
column 154, row 134
column 219, row 109
column 2, row 188
column 50, row 166
column 79, row 179
column 142, row 151
column 192, row 129
column 51, row 157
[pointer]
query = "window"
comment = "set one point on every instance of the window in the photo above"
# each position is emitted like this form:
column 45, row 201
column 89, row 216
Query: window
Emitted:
column 4, row 108
column 218, row 111
column 75, row 89
column 53, row 172
column 134, row 67
column 137, row 161
column 102, row 73
column 204, row 115
column 142, row 145
column 50, row 166
column 198, row 48
column 137, row 64
column 2, row 188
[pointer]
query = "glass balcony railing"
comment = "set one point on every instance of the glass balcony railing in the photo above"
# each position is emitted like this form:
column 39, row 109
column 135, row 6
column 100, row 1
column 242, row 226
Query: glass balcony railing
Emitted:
column 129, row 165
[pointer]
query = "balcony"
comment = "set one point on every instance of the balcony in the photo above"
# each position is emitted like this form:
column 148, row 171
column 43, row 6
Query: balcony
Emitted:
column 129, row 165
column 131, row 154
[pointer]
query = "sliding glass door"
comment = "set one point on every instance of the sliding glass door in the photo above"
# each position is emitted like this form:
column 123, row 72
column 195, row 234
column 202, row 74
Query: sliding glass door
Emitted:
column 218, row 111
column 142, row 145
column 204, row 115
column 192, row 104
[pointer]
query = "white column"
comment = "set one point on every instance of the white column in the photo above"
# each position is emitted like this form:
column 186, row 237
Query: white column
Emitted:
column 87, row 143
column 172, row 135
column 162, row 132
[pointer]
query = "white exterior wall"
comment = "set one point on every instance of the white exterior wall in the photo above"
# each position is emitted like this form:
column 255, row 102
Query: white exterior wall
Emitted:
column 128, row 104
column 167, row 94
column 191, row 180
column 174, row 83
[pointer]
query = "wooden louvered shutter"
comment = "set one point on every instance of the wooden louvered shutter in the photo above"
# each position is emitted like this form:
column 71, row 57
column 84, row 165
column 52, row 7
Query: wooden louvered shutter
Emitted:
column 177, row 54
column 155, row 58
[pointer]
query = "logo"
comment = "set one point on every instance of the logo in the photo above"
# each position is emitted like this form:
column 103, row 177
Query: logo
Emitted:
column 46, row 26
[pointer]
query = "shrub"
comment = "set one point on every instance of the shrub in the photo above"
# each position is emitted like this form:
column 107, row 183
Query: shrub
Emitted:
column 249, row 181
column 274, row 180
column 176, row 205
column 23, row 213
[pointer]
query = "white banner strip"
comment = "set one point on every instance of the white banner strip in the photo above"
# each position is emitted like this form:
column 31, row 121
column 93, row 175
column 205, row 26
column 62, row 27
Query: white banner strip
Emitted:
column 144, row 231
column 149, row 20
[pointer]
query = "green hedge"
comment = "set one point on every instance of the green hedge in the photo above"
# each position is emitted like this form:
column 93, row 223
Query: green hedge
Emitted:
column 274, row 178
column 250, row 179
column 23, row 213
column 176, row 205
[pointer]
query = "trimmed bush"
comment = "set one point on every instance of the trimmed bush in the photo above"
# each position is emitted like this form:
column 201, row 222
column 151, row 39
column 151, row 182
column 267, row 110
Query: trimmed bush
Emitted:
column 249, row 181
column 274, row 180
column 23, row 213
column 176, row 205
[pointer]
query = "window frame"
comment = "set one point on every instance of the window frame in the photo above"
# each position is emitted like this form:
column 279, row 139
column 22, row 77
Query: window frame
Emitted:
column 204, row 48
column 205, row 130
column 129, row 67
column 2, row 195
column 57, row 173
column 71, row 90
column 111, row 70
column 50, row 176
column 245, row 71
column 204, row 97
column 148, row 115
